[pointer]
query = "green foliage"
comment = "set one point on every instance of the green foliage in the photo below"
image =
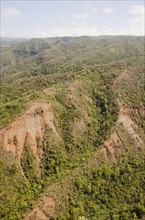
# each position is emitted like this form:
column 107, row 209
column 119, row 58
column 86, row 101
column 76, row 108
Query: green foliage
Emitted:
column 24, row 81
column 15, row 140
column 28, row 163
column 16, row 194
column 133, row 95
column 109, row 192
column 39, row 111
column 84, row 69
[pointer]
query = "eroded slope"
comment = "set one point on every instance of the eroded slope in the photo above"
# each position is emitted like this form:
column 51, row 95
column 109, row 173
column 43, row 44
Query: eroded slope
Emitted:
column 124, row 139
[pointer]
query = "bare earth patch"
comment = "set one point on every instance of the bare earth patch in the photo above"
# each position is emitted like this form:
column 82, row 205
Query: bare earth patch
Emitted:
column 44, row 210
column 30, row 126
column 122, row 76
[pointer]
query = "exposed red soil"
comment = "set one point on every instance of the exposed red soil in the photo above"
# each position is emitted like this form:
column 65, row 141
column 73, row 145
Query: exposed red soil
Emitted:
column 127, row 110
column 30, row 126
column 113, row 145
column 33, row 124
column 53, row 60
column 129, row 124
column 45, row 210
column 111, row 148
column 122, row 76
column 124, row 117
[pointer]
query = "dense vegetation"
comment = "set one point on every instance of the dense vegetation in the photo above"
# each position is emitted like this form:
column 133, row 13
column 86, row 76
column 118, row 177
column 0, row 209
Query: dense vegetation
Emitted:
column 62, row 59
column 81, row 72
column 109, row 192
column 16, row 193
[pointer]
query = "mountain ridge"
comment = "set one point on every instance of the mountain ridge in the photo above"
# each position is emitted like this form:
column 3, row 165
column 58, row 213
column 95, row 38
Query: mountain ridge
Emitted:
column 82, row 122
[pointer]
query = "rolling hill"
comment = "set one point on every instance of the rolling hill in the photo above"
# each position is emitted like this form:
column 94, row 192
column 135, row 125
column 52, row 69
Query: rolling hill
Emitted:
column 72, row 129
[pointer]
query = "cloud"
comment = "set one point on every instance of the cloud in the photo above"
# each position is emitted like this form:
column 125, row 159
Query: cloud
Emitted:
column 108, row 11
column 79, row 17
column 90, row 30
column 77, row 31
column 137, row 10
column 10, row 13
column 82, row 18
column 54, row 32
column 80, row 24
column 89, row 8
column 74, row 31
column 2, row 33
column 136, row 21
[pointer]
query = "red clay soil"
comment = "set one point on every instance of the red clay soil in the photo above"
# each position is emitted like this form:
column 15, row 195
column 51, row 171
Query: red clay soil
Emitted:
column 128, row 123
column 30, row 126
column 112, row 146
column 124, row 117
column 34, row 124
column 122, row 76
column 45, row 210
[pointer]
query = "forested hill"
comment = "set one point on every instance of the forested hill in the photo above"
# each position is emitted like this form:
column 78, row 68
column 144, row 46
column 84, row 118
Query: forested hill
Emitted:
column 72, row 120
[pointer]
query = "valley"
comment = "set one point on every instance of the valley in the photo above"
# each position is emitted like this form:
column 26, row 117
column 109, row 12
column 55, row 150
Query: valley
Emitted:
column 110, row 151
column 72, row 129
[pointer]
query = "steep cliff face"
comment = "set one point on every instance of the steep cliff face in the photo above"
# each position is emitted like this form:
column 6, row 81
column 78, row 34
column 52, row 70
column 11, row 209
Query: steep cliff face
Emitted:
column 31, row 127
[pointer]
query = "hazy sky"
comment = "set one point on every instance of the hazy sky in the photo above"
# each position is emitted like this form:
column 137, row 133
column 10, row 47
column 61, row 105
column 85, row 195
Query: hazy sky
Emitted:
column 71, row 18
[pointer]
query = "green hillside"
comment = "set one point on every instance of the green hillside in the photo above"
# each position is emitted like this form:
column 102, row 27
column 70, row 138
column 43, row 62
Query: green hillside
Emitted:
column 72, row 114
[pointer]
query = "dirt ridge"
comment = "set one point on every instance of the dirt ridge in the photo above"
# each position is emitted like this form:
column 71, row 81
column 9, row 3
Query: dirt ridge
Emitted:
column 30, row 126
